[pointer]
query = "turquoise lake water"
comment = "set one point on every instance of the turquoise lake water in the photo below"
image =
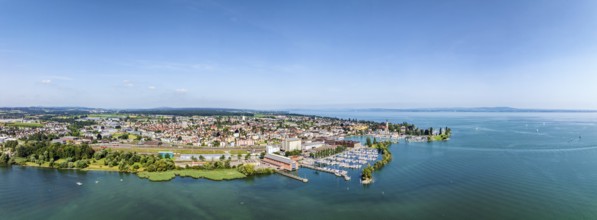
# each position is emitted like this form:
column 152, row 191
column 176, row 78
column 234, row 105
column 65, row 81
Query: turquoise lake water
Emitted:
column 496, row 166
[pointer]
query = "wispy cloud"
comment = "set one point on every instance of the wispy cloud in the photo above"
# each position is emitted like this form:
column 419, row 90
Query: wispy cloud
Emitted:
column 54, row 79
column 173, row 66
column 181, row 91
column 151, row 87
column 65, row 78
column 128, row 83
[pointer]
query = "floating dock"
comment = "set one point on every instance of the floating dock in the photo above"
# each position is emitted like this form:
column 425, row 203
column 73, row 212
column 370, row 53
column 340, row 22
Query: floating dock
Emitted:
column 345, row 176
column 304, row 180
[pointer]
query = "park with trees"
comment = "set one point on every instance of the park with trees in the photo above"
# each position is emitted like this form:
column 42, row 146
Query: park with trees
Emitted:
column 39, row 151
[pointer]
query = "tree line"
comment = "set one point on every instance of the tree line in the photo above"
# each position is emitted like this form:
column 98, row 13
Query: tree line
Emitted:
column 328, row 152
column 383, row 148
column 250, row 170
column 68, row 156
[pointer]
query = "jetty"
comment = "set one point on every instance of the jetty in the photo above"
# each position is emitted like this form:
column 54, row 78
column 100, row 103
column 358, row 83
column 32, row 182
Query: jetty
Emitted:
column 304, row 180
column 344, row 175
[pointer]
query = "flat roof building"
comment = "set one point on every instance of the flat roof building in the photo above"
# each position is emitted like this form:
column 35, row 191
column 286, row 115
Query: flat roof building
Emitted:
column 291, row 144
column 312, row 145
column 280, row 162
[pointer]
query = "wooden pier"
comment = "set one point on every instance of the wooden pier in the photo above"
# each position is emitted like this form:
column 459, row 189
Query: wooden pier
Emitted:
column 304, row 180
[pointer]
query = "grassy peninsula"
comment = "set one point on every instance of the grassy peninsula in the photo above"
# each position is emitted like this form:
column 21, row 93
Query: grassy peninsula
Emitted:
column 44, row 153
column 219, row 174
column 383, row 148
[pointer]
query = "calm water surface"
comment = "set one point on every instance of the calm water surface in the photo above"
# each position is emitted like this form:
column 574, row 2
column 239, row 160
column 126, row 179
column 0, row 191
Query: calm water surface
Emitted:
column 497, row 166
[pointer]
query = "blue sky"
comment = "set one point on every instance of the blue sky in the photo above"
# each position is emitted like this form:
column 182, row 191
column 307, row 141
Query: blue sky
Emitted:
column 298, row 54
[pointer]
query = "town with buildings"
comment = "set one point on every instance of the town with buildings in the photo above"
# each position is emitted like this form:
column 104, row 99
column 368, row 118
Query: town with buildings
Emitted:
column 276, row 141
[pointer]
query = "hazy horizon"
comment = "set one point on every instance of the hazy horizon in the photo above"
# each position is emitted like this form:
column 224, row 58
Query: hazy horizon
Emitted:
column 429, row 109
column 305, row 54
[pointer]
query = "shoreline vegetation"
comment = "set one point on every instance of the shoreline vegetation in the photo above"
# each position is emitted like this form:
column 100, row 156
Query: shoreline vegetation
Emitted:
column 217, row 175
column 239, row 172
column 44, row 154
column 383, row 148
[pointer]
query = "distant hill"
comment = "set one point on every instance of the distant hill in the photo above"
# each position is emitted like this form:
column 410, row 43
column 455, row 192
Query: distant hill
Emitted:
column 483, row 109
column 51, row 110
column 17, row 111
column 197, row 111
column 456, row 109
column 230, row 111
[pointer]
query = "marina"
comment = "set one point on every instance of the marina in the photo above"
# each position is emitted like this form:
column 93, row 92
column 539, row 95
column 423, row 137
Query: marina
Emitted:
column 351, row 159
column 339, row 164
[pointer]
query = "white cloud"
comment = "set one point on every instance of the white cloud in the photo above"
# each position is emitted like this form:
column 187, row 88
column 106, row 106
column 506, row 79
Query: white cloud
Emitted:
column 174, row 66
column 128, row 83
column 46, row 81
column 151, row 87
column 181, row 91
column 65, row 78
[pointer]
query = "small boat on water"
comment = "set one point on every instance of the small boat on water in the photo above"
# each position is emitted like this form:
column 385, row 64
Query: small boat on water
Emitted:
column 79, row 183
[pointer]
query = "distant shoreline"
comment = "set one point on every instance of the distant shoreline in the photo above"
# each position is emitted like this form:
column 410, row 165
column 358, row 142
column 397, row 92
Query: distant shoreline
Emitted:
column 241, row 111
column 447, row 110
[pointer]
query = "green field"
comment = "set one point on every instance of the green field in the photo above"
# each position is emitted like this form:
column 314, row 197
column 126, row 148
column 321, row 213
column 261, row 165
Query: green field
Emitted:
column 220, row 174
column 442, row 137
column 117, row 136
column 24, row 125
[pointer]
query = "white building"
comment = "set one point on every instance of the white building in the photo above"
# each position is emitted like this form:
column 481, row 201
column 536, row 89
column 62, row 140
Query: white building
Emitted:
column 272, row 149
column 312, row 145
column 291, row 144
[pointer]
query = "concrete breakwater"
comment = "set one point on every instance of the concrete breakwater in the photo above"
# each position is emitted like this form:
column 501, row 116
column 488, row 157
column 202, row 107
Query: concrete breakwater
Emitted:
column 304, row 180
column 335, row 172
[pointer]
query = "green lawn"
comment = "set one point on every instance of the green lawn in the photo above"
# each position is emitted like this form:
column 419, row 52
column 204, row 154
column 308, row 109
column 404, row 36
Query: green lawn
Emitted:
column 20, row 160
column 130, row 136
column 99, row 165
column 219, row 174
column 439, row 137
